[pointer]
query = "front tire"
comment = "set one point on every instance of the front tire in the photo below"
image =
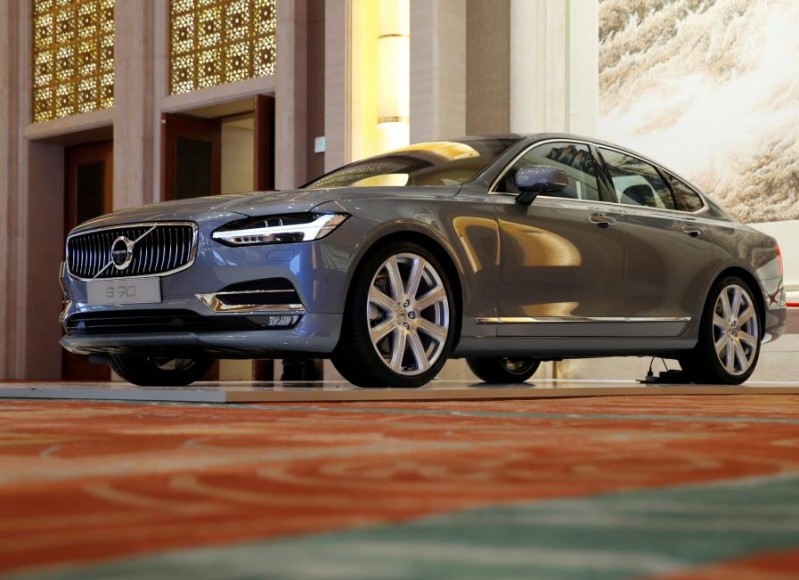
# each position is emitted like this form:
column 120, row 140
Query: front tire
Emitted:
column 147, row 371
column 729, row 336
column 398, row 327
column 504, row 370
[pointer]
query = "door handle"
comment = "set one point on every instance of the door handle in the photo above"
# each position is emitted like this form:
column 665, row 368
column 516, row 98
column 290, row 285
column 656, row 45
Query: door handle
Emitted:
column 601, row 220
column 693, row 231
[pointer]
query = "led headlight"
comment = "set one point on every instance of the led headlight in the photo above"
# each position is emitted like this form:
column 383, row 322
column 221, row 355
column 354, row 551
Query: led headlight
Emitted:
column 279, row 229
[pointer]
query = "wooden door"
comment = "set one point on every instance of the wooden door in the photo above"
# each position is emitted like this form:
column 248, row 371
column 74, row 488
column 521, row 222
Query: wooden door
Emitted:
column 191, row 156
column 264, row 146
column 88, row 193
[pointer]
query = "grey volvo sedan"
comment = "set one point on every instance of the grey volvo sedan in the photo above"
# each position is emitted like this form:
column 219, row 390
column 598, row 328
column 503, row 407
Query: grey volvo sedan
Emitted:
column 504, row 250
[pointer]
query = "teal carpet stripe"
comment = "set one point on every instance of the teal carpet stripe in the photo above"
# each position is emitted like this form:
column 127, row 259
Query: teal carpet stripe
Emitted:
column 619, row 535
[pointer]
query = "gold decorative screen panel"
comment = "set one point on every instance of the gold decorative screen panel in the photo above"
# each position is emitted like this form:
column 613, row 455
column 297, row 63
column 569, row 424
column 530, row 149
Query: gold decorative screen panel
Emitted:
column 73, row 57
column 215, row 42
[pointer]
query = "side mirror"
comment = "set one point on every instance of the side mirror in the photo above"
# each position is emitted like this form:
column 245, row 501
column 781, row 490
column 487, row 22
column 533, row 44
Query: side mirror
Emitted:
column 537, row 179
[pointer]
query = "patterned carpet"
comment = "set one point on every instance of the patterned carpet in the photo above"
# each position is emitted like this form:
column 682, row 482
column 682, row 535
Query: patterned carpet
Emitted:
column 606, row 487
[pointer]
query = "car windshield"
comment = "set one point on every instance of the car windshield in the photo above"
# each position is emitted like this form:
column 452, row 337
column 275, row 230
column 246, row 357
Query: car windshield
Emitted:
column 424, row 164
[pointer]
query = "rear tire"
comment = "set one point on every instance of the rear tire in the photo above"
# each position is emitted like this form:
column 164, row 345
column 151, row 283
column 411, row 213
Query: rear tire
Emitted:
column 399, row 323
column 503, row 370
column 729, row 336
column 147, row 371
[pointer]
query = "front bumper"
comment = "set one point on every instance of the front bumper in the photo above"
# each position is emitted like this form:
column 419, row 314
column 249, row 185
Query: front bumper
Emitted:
column 314, row 334
column 232, row 302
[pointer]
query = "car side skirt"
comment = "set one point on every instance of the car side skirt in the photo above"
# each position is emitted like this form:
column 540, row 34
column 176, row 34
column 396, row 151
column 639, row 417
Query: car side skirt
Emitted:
column 570, row 347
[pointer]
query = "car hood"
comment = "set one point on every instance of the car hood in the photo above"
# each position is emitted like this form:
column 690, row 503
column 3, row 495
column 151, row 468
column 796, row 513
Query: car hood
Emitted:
column 232, row 206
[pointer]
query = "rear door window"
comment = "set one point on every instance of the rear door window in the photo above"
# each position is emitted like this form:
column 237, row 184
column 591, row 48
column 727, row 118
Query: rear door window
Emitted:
column 637, row 182
column 684, row 196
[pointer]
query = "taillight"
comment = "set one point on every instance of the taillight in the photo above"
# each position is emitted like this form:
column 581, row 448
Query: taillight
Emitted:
column 779, row 258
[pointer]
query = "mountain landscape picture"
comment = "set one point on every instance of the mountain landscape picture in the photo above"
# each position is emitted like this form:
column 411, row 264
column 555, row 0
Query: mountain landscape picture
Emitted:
column 711, row 89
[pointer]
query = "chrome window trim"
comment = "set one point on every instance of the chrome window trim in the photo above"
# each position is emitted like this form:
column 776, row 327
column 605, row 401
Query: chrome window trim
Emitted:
column 492, row 190
column 192, row 258
column 576, row 319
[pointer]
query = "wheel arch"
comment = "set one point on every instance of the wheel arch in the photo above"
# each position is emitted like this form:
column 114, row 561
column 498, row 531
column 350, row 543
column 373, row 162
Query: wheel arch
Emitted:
column 433, row 246
column 702, row 364
column 754, row 284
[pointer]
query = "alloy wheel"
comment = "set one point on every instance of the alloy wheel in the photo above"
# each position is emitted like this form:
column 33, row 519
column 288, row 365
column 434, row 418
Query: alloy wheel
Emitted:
column 408, row 313
column 736, row 330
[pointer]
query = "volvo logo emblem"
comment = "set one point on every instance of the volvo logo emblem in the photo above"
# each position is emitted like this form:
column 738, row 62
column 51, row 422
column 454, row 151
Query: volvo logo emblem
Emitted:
column 122, row 252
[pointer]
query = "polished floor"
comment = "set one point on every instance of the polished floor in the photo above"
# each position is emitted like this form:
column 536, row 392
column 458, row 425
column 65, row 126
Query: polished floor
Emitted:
column 336, row 391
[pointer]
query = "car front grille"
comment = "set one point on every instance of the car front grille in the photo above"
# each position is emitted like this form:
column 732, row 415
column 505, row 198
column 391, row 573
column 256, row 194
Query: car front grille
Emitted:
column 132, row 250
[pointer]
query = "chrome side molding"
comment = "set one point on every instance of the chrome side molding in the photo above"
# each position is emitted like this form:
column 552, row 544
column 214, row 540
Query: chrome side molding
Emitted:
column 577, row 319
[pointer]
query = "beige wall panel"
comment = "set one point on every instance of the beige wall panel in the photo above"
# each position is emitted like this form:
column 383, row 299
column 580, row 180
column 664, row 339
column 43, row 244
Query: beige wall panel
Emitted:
column 554, row 66
column 291, row 93
column 8, row 127
column 237, row 156
column 337, row 91
column 43, row 252
column 583, row 67
column 438, row 69
column 134, row 104
column 487, row 66
column 539, row 57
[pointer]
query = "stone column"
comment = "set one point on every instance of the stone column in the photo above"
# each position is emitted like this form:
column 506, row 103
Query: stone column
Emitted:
column 9, row 143
column 488, row 66
column 438, row 69
column 337, row 83
column 290, row 97
column 554, row 65
column 134, row 106
column 31, row 216
column 41, row 250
